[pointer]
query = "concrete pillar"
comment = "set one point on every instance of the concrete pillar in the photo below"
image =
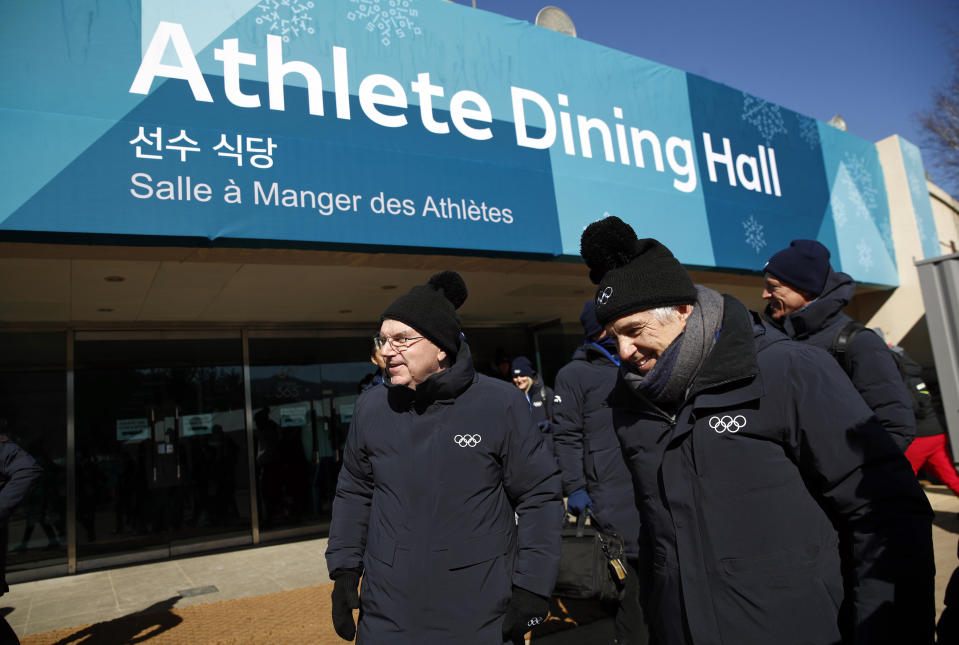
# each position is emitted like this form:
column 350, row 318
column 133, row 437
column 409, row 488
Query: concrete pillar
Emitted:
column 904, row 308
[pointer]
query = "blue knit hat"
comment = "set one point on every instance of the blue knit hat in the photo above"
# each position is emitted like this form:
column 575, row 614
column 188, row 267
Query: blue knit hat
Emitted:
column 522, row 367
column 803, row 265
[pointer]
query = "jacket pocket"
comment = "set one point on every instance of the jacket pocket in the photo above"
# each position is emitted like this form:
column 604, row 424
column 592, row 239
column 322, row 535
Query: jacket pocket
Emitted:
column 476, row 550
column 773, row 566
column 382, row 548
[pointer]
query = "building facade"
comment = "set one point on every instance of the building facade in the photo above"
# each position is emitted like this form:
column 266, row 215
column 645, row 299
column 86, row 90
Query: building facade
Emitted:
column 204, row 211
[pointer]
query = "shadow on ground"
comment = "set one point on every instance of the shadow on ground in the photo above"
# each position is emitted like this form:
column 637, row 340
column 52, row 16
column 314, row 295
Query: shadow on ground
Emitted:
column 132, row 628
column 947, row 521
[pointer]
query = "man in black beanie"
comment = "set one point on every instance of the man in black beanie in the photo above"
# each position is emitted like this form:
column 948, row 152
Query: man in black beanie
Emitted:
column 752, row 457
column 438, row 466
column 805, row 300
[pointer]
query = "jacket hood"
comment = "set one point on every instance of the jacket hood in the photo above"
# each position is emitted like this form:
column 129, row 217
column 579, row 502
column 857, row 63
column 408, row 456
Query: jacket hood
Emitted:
column 733, row 357
column 589, row 353
column 597, row 354
column 444, row 385
column 819, row 313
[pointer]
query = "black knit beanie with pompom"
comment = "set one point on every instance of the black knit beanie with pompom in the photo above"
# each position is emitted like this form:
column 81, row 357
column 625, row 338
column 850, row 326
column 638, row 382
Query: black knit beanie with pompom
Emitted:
column 431, row 308
column 632, row 274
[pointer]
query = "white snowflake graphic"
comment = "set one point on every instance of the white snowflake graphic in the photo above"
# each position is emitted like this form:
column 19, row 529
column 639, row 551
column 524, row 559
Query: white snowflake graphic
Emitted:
column 286, row 18
column 755, row 233
column 846, row 198
column 862, row 178
column 764, row 116
column 865, row 254
column 391, row 18
column 839, row 213
column 808, row 130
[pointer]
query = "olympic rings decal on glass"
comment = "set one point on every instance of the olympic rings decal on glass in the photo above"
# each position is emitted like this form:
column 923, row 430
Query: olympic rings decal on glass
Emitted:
column 467, row 440
column 727, row 423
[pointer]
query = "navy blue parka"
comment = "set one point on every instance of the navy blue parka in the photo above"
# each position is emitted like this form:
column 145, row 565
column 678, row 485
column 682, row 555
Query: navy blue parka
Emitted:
column 745, row 491
column 586, row 444
column 425, row 507
column 874, row 372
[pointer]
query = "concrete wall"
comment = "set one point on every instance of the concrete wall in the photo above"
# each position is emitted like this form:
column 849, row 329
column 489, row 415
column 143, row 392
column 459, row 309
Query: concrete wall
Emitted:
column 904, row 308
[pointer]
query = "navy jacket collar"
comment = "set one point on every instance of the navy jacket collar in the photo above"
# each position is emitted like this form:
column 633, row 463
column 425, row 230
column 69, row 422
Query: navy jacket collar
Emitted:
column 819, row 313
column 445, row 385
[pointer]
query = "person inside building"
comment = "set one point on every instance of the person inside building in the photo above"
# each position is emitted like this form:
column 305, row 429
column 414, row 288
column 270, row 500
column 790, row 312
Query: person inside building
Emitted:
column 19, row 472
column 375, row 377
column 448, row 504
column 539, row 395
column 752, row 457
column 805, row 299
column 595, row 477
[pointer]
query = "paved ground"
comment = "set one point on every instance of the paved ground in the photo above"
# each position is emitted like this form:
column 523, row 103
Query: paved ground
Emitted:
column 264, row 595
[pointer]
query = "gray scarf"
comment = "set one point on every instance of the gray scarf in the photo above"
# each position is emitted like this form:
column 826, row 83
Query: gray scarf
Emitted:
column 668, row 383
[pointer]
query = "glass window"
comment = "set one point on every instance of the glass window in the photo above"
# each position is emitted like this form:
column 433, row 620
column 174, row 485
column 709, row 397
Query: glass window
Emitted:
column 33, row 415
column 303, row 393
column 161, row 443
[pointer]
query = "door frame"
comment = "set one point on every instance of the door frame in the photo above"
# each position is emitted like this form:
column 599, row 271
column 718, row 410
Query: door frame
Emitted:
column 172, row 548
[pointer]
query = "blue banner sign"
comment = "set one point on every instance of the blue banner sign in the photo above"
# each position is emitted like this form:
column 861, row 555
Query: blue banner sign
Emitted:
column 406, row 123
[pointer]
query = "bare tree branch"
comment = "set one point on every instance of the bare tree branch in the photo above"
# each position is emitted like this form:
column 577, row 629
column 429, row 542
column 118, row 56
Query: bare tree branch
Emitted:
column 940, row 125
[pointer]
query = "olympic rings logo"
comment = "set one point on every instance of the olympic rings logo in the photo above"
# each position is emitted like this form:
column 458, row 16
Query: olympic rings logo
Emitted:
column 727, row 423
column 467, row 440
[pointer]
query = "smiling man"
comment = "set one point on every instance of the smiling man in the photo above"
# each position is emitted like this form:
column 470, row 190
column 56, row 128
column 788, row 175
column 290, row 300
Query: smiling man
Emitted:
column 752, row 458
column 805, row 300
column 438, row 466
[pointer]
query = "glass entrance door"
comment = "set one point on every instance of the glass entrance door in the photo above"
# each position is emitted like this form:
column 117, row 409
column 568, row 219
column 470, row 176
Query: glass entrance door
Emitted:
column 160, row 443
column 303, row 390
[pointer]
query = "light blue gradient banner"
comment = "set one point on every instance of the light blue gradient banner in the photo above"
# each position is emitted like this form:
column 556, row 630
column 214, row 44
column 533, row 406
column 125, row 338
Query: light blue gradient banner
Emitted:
column 405, row 123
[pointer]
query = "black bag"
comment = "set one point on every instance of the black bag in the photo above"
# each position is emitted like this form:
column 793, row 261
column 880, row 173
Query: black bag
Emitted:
column 592, row 563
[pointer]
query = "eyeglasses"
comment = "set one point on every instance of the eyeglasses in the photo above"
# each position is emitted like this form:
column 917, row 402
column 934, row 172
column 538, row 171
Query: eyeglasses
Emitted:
column 400, row 343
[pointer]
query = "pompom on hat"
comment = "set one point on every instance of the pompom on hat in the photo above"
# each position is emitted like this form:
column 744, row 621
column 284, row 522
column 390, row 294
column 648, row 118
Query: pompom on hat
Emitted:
column 431, row 308
column 631, row 274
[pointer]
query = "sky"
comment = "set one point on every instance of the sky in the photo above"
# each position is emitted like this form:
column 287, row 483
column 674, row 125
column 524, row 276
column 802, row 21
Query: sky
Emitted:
column 875, row 62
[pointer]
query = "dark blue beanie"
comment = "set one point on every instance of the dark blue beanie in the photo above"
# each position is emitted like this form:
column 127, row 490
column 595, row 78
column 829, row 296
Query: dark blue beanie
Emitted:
column 522, row 367
column 589, row 321
column 804, row 265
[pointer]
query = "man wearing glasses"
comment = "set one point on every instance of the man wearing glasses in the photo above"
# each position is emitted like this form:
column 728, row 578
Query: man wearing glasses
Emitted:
column 439, row 464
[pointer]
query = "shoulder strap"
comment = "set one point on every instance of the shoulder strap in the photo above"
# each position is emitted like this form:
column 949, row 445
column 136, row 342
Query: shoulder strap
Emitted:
column 841, row 341
column 547, row 397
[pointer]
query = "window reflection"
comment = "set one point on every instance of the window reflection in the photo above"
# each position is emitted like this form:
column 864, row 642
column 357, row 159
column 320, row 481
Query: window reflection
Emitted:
column 33, row 415
column 303, row 392
column 161, row 444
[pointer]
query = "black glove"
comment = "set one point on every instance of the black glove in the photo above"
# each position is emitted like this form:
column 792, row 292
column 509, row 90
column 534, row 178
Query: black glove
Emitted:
column 345, row 600
column 526, row 610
